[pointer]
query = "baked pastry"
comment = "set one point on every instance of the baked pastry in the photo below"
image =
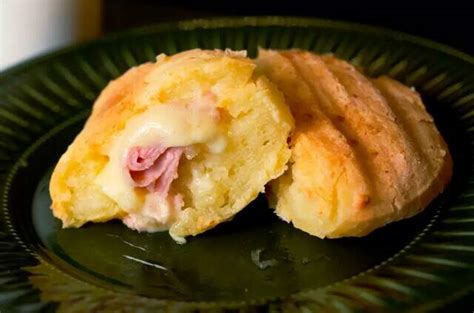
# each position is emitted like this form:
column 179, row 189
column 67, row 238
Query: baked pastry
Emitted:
column 365, row 152
column 181, row 144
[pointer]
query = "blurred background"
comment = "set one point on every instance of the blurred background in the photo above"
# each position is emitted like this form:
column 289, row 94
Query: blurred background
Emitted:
column 32, row 27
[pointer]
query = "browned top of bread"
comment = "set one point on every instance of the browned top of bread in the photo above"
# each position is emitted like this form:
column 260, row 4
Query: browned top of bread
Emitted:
column 365, row 152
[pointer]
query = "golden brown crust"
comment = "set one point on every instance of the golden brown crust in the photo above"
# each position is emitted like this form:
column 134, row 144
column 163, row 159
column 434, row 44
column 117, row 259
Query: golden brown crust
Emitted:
column 108, row 110
column 420, row 127
column 391, row 162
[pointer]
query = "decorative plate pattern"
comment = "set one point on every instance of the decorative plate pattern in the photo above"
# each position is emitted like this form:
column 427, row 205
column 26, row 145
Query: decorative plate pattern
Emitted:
column 256, row 262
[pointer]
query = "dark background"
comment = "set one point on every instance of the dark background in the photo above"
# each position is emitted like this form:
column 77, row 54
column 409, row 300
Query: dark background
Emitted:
column 453, row 26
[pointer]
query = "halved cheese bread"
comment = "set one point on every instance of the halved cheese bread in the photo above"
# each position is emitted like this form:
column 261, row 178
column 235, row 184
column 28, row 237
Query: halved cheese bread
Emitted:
column 365, row 152
column 181, row 144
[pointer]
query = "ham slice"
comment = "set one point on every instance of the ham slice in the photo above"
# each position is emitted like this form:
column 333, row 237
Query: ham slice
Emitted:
column 141, row 158
column 155, row 167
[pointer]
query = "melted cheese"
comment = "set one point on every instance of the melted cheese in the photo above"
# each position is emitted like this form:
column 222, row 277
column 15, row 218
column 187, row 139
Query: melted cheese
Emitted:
column 156, row 214
column 167, row 124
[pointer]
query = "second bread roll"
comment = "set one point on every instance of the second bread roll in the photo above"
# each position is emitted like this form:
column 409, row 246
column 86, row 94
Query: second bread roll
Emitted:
column 365, row 152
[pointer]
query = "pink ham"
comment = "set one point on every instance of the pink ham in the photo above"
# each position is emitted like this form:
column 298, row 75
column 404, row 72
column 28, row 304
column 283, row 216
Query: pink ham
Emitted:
column 154, row 167
column 172, row 156
column 141, row 158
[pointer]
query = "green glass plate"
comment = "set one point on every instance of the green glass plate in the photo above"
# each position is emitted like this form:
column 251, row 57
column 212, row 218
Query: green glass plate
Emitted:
column 255, row 262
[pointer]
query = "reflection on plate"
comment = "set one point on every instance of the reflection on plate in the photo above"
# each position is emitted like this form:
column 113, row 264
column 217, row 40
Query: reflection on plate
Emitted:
column 255, row 261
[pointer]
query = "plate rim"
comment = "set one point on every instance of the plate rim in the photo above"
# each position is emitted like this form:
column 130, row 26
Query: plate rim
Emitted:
column 236, row 21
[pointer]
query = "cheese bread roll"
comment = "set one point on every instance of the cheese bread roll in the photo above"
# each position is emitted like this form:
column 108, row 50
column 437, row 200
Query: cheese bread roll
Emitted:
column 180, row 145
column 365, row 152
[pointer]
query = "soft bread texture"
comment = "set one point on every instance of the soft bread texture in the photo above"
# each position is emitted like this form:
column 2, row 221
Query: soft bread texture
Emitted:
column 365, row 152
column 214, row 186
